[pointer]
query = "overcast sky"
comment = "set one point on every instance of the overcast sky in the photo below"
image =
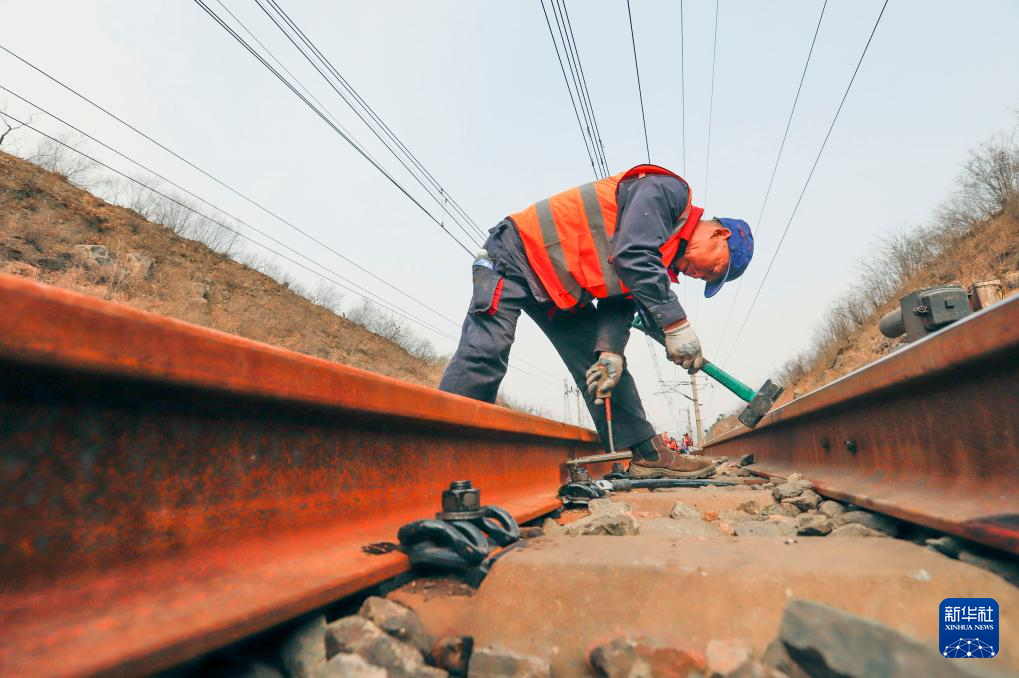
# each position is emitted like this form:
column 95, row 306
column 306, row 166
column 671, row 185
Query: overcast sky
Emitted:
column 474, row 89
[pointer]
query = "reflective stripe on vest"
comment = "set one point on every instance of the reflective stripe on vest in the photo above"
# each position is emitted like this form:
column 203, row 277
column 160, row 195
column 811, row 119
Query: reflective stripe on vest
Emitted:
column 568, row 238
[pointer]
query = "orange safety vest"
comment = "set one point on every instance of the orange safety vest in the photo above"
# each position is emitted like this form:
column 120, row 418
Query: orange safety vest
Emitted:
column 568, row 238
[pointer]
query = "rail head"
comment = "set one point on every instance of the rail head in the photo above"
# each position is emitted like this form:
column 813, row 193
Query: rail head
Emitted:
column 928, row 434
column 56, row 328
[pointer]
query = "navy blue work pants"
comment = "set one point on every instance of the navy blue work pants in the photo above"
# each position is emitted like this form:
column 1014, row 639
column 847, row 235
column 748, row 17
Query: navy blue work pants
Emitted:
column 481, row 360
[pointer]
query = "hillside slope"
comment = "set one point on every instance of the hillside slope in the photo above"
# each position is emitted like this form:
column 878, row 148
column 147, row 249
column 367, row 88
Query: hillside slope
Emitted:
column 53, row 232
column 990, row 251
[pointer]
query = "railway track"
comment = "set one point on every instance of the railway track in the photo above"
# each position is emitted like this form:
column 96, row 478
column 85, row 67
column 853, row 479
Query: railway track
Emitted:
column 169, row 490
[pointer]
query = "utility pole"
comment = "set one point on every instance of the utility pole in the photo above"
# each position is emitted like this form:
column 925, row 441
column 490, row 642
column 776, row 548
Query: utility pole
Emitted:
column 696, row 411
column 580, row 417
column 689, row 426
column 566, row 402
column 581, row 407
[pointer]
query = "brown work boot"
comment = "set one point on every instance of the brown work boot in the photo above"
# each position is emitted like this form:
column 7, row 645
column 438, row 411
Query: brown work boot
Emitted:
column 670, row 464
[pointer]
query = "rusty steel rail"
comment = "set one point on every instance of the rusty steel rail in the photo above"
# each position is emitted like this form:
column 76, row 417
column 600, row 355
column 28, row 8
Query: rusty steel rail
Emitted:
column 166, row 489
column 929, row 434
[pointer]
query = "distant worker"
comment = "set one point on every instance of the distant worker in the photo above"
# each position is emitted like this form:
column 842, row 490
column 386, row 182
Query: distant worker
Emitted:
column 687, row 442
column 620, row 241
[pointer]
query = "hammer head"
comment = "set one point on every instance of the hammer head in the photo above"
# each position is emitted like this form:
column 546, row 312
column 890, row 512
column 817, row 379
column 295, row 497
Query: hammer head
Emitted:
column 759, row 406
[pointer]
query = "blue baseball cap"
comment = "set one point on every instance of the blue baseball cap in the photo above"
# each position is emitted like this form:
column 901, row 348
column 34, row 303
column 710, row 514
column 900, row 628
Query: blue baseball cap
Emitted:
column 741, row 251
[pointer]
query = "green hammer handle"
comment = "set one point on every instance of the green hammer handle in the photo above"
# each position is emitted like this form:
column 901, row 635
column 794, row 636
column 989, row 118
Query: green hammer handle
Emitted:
column 741, row 390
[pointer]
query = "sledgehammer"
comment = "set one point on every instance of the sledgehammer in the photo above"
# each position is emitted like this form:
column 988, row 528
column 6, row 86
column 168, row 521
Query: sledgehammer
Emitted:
column 759, row 401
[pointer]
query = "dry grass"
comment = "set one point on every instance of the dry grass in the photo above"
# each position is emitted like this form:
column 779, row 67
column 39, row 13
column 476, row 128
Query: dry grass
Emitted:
column 44, row 219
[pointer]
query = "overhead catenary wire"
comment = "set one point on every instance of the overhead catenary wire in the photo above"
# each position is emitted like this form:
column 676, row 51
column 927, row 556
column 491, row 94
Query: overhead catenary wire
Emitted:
column 806, row 183
column 573, row 60
column 346, row 137
column 371, row 112
column 640, row 93
column 587, row 91
column 420, row 174
column 711, row 104
column 573, row 68
column 587, row 143
column 682, row 80
column 774, row 169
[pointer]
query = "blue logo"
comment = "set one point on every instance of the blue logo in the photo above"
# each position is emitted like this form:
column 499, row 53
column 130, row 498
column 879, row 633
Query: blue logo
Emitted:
column 969, row 628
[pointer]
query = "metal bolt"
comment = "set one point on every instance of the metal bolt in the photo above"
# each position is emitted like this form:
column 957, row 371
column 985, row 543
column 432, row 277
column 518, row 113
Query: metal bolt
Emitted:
column 579, row 474
column 825, row 444
column 850, row 445
column 460, row 497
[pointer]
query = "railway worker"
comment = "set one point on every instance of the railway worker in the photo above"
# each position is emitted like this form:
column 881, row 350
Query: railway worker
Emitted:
column 580, row 264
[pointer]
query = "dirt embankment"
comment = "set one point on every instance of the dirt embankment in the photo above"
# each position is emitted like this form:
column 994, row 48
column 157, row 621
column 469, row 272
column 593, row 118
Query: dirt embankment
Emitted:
column 56, row 233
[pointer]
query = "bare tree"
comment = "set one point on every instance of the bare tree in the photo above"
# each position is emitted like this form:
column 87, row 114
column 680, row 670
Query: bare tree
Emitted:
column 379, row 321
column 326, row 296
column 512, row 403
column 7, row 125
column 58, row 156
column 991, row 175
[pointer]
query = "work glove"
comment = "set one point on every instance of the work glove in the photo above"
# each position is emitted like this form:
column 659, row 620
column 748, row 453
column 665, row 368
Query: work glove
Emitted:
column 683, row 347
column 603, row 376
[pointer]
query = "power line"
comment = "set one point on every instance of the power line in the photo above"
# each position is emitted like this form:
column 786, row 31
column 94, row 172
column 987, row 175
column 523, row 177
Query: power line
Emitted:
column 806, row 183
column 208, row 175
column 573, row 68
column 682, row 79
column 774, row 169
column 576, row 113
column 385, row 128
column 711, row 104
column 640, row 93
column 346, row 137
column 371, row 112
column 587, row 92
column 576, row 70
